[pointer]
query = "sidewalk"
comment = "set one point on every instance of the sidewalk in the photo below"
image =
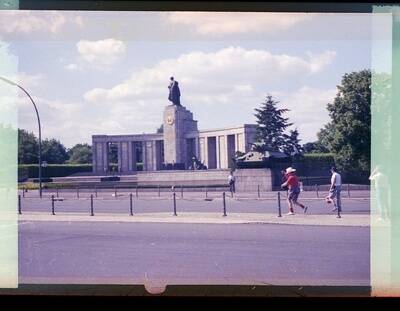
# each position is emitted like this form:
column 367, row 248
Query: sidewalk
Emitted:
column 353, row 220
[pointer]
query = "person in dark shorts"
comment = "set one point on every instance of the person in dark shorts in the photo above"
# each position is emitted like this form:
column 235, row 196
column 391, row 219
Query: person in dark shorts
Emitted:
column 292, row 182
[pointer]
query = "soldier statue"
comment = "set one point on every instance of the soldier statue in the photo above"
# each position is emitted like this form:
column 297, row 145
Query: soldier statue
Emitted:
column 174, row 92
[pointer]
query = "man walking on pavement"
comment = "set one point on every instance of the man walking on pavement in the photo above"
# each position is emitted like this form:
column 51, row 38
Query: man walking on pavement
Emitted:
column 231, row 181
column 292, row 183
column 335, row 189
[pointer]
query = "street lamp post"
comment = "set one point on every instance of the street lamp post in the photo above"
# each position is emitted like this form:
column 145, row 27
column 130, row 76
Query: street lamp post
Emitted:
column 40, row 131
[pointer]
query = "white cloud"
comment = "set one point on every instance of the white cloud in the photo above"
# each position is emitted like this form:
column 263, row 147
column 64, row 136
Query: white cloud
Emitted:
column 230, row 83
column 101, row 53
column 232, row 68
column 72, row 67
column 223, row 23
column 308, row 109
column 29, row 80
column 28, row 22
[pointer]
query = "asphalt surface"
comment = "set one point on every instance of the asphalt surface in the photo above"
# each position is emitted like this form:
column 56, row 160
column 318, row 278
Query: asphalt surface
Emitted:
column 160, row 254
column 190, row 202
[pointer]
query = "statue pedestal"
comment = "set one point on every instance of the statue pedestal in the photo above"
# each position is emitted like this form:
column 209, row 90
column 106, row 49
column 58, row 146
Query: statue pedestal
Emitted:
column 178, row 121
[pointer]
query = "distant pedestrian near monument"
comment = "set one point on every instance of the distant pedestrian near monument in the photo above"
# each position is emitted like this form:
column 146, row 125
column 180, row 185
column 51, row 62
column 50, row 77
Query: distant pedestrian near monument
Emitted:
column 174, row 92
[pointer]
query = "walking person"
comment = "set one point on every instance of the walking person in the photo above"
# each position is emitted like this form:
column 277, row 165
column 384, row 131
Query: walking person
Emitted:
column 231, row 181
column 292, row 182
column 381, row 187
column 335, row 189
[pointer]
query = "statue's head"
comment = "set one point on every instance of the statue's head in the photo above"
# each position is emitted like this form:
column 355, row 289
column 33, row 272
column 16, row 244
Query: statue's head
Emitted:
column 172, row 78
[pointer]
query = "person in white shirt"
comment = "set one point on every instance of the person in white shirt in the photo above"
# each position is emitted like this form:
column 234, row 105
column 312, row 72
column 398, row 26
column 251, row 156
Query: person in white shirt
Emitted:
column 335, row 189
column 231, row 181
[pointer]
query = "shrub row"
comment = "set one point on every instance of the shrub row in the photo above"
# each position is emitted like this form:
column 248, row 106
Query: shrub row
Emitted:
column 58, row 170
column 52, row 170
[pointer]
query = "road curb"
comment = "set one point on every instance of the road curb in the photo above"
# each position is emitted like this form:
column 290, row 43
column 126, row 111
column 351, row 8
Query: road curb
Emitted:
column 207, row 218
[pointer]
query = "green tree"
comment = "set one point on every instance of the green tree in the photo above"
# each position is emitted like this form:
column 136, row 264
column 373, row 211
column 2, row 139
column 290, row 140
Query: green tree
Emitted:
column 348, row 135
column 53, row 152
column 325, row 138
column 315, row 147
column 292, row 143
column 80, row 154
column 271, row 126
column 28, row 147
column 160, row 130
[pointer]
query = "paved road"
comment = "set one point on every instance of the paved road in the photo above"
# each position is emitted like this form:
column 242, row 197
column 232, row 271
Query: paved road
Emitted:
column 193, row 202
column 144, row 253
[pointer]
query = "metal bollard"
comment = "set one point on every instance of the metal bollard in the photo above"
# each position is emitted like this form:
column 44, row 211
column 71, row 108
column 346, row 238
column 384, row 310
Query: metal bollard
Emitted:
column 19, row 205
column 258, row 191
column 52, row 205
column 224, row 203
column 181, row 191
column 91, row 205
column 316, row 189
column 137, row 192
column 77, row 192
column 158, row 190
column 23, row 192
column 174, row 196
column 130, row 204
column 57, row 191
column 279, row 204
column 348, row 190
column 206, row 192
column 95, row 191
column 115, row 191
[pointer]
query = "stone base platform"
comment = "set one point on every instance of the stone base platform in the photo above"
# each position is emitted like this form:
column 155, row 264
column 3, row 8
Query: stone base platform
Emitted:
column 156, row 178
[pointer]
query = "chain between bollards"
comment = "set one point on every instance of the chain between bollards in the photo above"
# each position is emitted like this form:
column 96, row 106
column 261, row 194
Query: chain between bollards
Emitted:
column 279, row 204
column 130, row 204
column 174, row 197
column 224, row 203
column 52, row 205
column 19, row 205
column 91, row 205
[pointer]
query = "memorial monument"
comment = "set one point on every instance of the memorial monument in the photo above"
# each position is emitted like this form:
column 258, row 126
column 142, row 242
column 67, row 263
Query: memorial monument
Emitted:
column 175, row 148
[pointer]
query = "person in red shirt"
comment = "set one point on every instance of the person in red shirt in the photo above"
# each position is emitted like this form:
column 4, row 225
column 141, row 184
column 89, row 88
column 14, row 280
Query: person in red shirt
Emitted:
column 292, row 182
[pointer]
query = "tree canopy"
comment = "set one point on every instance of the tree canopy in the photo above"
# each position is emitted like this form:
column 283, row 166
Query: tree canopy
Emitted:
column 80, row 154
column 28, row 148
column 348, row 135
column 271, row 129
column 53, row 152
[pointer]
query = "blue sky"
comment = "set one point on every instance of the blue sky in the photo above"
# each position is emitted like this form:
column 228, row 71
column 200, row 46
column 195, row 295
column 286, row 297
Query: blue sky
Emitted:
column 107, row 72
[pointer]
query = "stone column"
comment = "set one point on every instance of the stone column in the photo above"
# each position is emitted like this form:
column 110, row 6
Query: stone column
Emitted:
column 124, row 153
column 131, row 156
column 217, row 151
column 144, row 156
column 94, row 157
column 119, row 157
column 104, row 151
